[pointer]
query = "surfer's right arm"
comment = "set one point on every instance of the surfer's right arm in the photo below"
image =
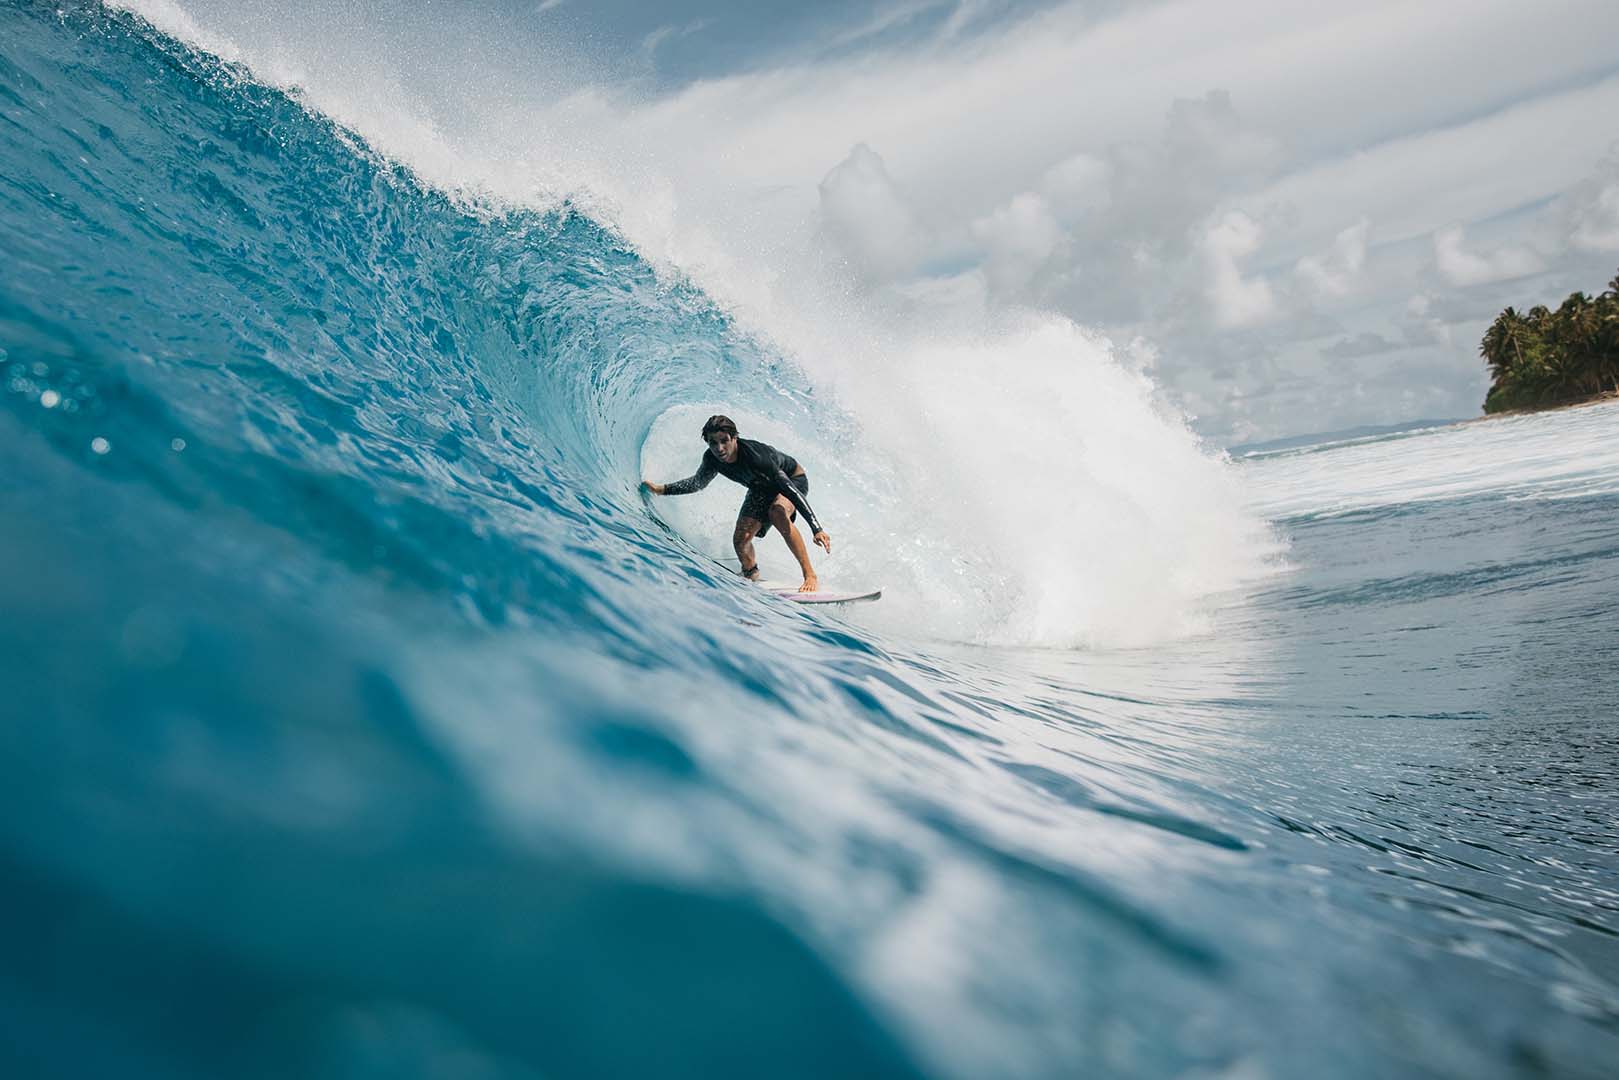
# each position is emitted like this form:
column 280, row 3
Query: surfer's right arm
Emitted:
column 696, row 482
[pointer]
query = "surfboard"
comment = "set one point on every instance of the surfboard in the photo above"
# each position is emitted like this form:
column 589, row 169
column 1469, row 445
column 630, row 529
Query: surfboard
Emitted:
column 785, row 590
column 824, row 596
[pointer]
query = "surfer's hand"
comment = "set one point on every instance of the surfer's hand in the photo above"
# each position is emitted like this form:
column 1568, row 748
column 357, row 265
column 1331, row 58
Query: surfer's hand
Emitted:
column 656, row 489
column 825, row 541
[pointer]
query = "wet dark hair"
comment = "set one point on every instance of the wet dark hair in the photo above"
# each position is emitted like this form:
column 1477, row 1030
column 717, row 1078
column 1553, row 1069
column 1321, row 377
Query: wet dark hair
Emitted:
column 719, row 423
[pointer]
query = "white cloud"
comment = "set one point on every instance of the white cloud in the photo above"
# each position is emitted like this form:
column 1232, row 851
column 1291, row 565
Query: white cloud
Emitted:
column 973, row 122
column 868, row 219
column 1414, row 183
column 1159, row 188
column 968, row 13
column 1335, row 273
column 1593, row 210
column 1110, row 235
column 1598, row 226
column 1342, row 120
column 1460, row 266
column 882, row 20
column 1237, row 301
column 1208, row 131
column 1421, row 325
column 1077, row 185
column 651, row 43
column 1018, row 239
column 1366, row 343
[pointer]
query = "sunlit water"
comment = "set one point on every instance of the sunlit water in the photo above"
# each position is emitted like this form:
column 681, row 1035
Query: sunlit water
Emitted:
column 358, row 719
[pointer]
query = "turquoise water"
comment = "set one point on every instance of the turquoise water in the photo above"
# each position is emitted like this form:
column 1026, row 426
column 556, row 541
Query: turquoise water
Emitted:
column 358, row 718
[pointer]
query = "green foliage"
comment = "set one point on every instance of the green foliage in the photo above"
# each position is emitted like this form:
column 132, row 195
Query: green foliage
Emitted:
column 1546, row 358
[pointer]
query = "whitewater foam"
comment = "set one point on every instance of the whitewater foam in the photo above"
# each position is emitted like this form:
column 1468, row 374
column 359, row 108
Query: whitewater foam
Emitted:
column 1571, row 453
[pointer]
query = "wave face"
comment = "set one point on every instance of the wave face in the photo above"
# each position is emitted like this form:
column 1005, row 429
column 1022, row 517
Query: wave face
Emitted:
column 360, row 719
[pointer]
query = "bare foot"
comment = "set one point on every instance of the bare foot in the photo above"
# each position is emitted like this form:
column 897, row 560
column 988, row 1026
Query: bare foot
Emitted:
column 810, row 585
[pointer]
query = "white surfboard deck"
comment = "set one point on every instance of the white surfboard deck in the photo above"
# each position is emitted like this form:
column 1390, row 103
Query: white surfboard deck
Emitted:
column 785, row 590
column 821, row 596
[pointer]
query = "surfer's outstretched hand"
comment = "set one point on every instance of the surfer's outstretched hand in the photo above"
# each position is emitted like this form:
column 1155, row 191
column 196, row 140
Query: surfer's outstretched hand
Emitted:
column 824, row 540
column 656, row 489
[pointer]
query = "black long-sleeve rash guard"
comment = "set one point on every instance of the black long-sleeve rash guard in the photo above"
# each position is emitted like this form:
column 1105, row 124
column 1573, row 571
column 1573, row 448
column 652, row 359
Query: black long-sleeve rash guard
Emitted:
column 757, row 465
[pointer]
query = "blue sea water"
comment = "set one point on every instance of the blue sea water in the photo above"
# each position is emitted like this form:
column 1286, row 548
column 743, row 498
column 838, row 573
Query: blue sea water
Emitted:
column 358, row 719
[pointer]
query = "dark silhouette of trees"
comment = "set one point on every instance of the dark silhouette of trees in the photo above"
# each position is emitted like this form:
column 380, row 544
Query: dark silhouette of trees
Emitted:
column 1546, row 358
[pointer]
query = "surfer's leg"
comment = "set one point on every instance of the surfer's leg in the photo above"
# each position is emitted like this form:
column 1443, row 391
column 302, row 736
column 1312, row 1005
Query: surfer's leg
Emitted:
column 742, row 541
column 782, row 513
column 750, row 522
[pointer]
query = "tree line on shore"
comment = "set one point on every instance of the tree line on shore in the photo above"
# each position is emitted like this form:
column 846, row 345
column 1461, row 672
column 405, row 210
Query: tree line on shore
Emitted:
column 1546, row 358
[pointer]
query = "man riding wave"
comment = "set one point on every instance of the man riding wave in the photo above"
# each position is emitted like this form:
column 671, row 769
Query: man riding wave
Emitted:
column 778, row 490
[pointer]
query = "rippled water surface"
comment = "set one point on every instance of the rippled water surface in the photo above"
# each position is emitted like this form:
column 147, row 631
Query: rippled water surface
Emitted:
column 357, row 719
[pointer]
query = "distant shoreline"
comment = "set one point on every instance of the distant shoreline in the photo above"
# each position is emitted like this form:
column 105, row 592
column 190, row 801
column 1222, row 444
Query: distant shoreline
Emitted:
column 1604, row 398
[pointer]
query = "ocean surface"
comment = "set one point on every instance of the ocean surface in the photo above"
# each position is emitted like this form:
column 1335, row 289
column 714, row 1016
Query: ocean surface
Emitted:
column 359, row 718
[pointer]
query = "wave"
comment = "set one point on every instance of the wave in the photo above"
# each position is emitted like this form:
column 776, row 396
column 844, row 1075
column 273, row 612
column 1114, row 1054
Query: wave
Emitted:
column 1010, row 479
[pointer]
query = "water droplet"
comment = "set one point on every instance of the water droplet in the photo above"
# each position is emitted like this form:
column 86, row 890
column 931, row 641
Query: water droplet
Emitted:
column 177, row 445
column 50, row 399
column 100, row 445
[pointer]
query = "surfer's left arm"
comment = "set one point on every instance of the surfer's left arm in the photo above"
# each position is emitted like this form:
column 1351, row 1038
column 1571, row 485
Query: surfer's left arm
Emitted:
column 785, row 485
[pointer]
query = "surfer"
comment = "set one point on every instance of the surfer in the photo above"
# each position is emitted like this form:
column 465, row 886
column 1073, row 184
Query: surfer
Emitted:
column 777, row 489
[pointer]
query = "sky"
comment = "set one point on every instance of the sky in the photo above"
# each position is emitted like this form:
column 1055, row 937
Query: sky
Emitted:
column 1296, row 216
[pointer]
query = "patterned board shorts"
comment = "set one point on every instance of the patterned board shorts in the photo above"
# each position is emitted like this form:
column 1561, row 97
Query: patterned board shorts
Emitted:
column 756, row 503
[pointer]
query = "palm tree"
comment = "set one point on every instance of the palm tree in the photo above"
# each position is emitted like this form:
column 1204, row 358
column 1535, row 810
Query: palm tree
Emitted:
column 1607, row 337
column 1495, row 347
column 1571, row 334
column 1550, row 357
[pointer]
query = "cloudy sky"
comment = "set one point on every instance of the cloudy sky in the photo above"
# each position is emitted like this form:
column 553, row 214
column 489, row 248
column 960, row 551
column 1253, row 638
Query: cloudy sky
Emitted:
column 1306, row 213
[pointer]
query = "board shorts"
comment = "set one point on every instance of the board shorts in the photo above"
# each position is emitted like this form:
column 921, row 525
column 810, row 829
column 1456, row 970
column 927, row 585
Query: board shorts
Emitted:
column 756, row 503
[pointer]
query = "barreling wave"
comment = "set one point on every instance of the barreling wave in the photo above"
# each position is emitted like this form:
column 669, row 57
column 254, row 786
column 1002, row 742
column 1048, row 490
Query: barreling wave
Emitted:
column 1011, row 481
